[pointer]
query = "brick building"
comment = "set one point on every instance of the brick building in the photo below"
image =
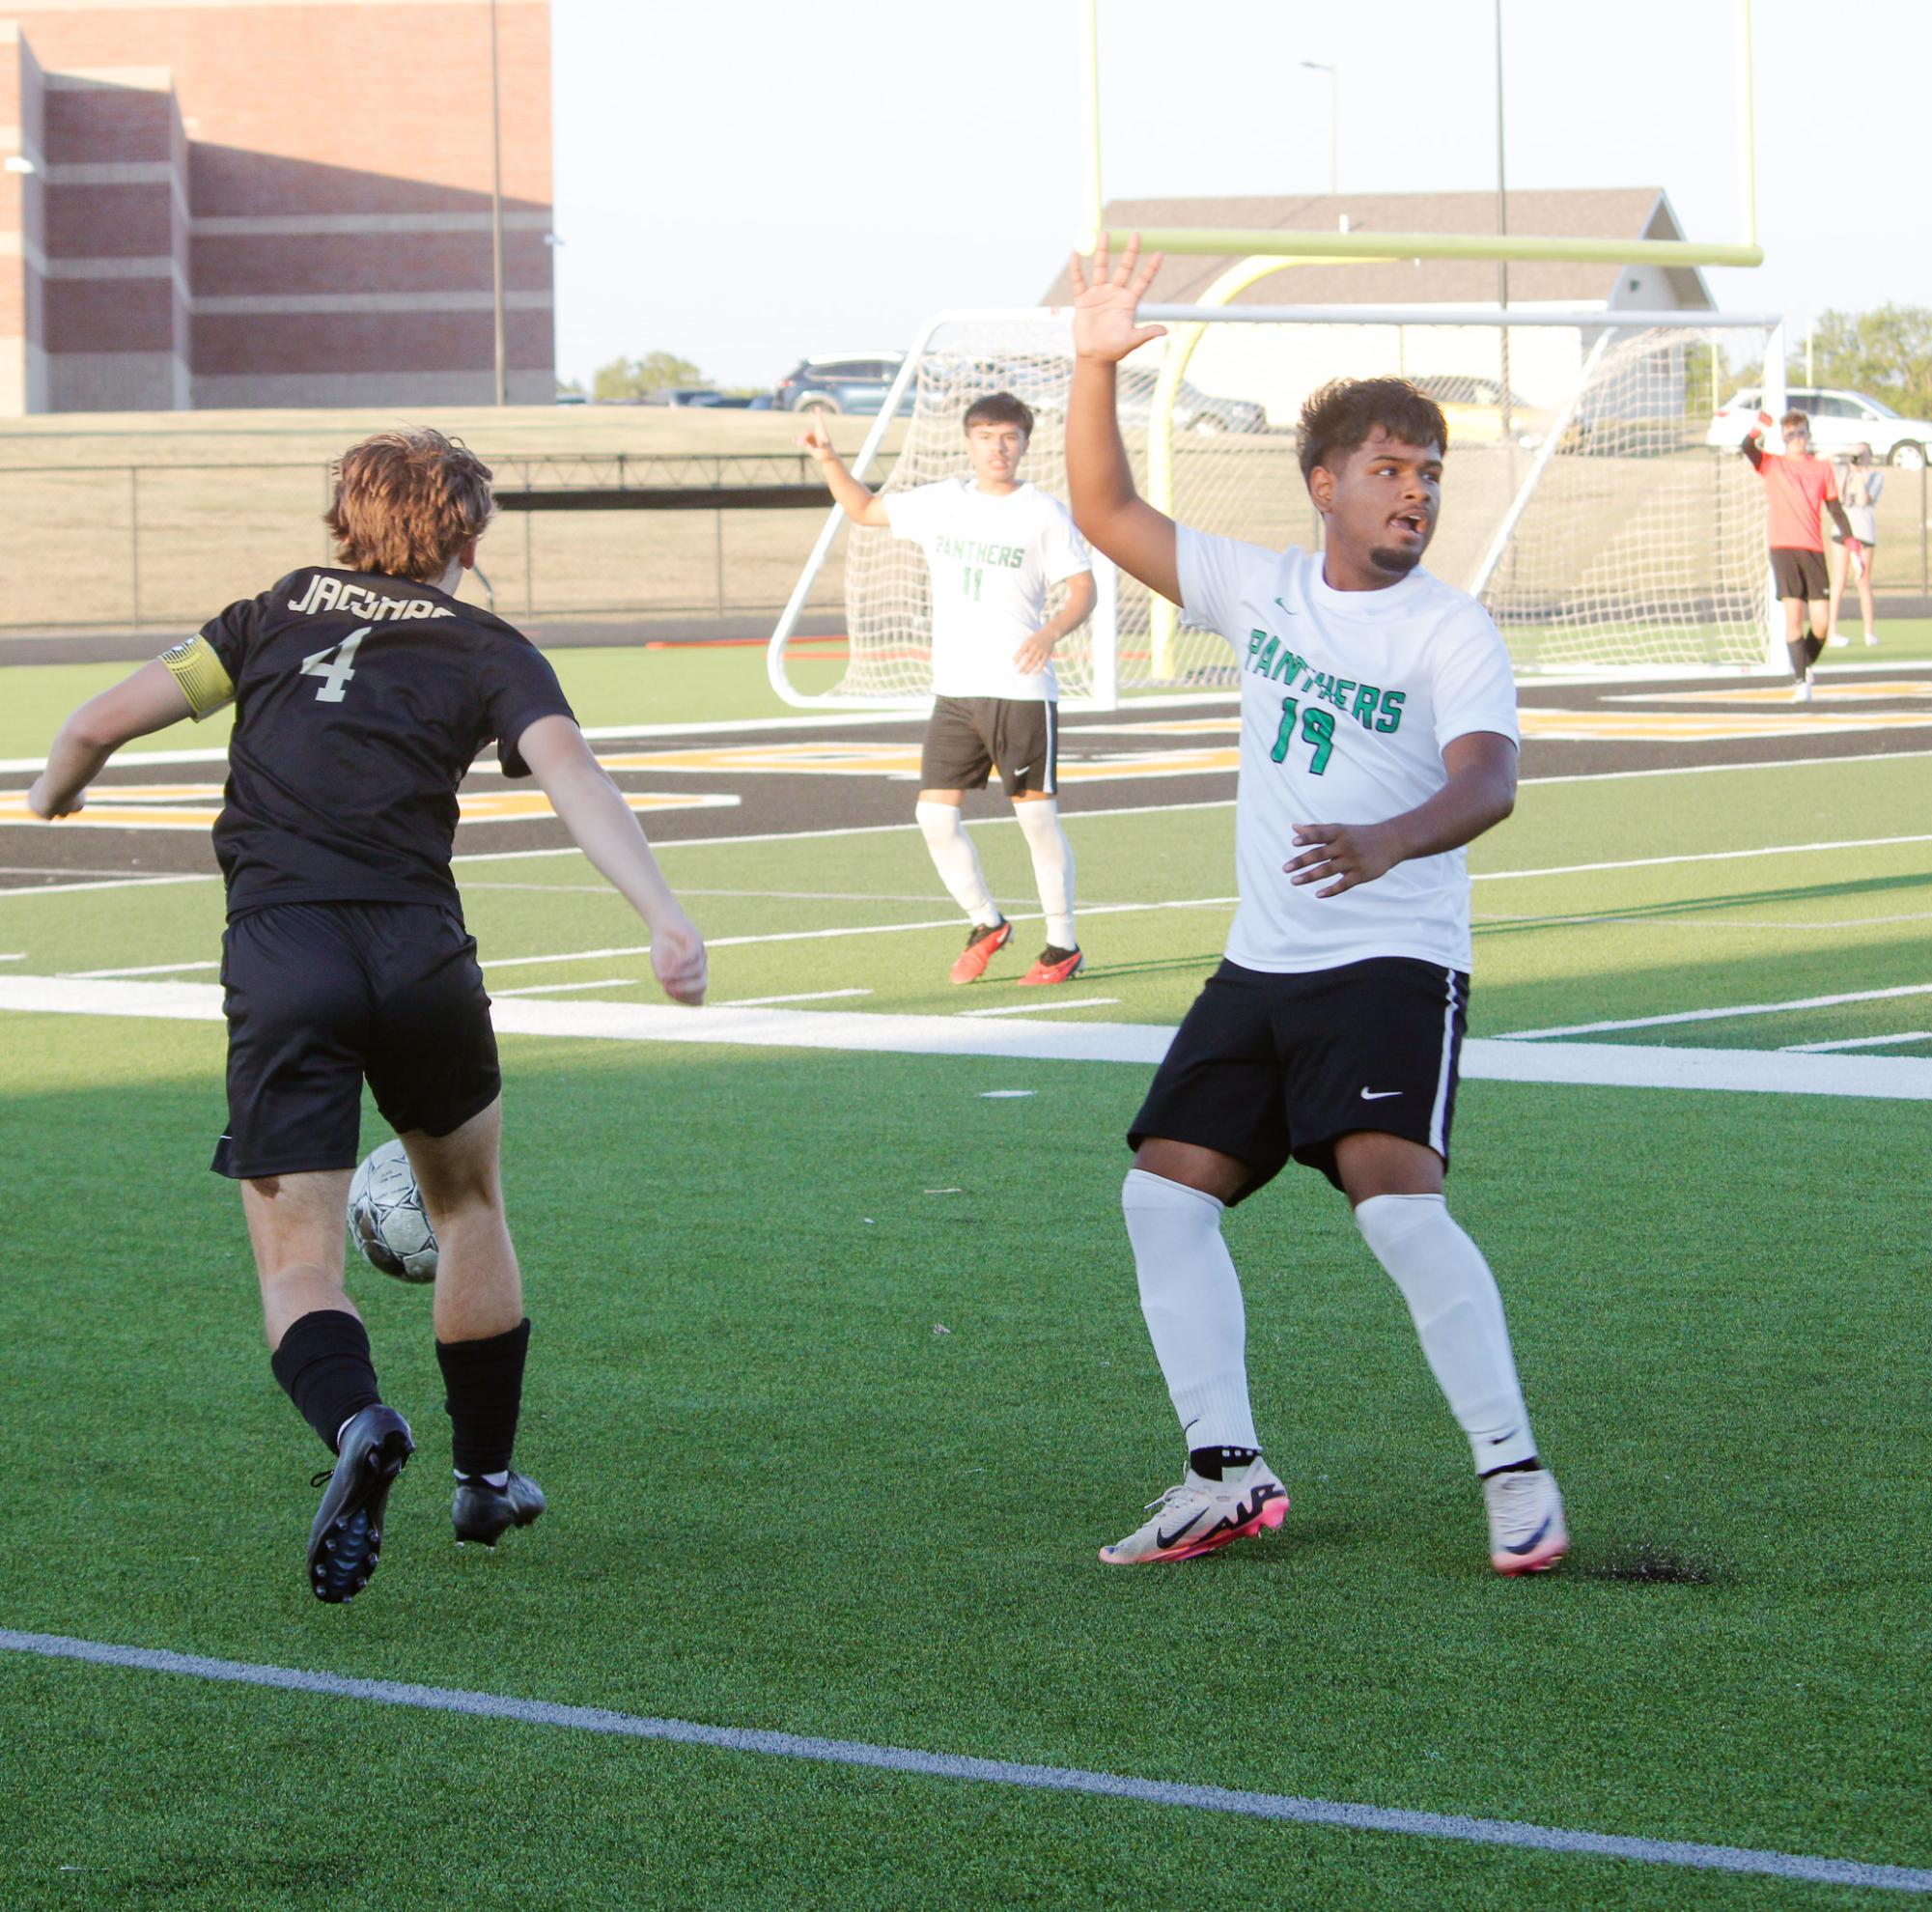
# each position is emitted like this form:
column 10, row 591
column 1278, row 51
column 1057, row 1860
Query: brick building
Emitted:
column 222, row 203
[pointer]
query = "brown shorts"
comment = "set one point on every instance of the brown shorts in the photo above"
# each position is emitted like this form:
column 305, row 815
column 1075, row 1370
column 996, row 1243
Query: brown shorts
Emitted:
column 968, row 738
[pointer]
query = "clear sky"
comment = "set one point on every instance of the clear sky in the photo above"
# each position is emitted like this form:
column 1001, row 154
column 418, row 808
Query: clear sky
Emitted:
column 746, row 182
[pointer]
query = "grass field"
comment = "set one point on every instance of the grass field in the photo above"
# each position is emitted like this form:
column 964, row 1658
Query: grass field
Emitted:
column 839, row 1381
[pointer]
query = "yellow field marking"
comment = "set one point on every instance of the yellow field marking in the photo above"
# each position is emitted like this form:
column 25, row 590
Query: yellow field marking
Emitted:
column 1831, row 690
column 1710, row 726
column 196, row 806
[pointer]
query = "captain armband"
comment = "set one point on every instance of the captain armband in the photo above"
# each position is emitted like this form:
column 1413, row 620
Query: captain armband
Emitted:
column 193, row 665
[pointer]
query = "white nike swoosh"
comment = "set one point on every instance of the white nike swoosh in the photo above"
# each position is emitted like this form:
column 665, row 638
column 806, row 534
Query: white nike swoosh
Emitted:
column 1022, row 769
column 1379, row 1096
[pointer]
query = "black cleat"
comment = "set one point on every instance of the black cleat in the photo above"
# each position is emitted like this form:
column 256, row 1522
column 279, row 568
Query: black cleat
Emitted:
column 346, row 1538
column 483, row 1512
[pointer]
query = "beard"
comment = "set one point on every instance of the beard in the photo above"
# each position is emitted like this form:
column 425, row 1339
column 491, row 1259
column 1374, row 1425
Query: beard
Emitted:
column 1396, row 563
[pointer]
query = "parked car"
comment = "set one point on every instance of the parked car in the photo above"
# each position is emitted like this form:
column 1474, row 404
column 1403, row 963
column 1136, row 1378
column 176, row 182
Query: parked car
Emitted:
column 853, row 381
column 1839, row 420
column 1195, row 410
column 1473, row 410
column 684, row 395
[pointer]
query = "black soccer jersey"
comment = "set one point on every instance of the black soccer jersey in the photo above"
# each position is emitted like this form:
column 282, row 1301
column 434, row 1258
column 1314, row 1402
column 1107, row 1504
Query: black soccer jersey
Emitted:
column 360, row 702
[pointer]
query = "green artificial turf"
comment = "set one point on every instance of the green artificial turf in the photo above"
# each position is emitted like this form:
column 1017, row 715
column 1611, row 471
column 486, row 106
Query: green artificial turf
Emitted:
column 839, row 1381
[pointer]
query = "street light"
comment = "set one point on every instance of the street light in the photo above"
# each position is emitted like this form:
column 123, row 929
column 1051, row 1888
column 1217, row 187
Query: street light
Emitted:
column 502, row 378
column 1502, row 227
column 1334, row 121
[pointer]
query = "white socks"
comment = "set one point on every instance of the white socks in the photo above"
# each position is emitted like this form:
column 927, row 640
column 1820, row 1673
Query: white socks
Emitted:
column 1038, row 823
column 956, row 859
column 1458, row 1313
column 1191, row 1299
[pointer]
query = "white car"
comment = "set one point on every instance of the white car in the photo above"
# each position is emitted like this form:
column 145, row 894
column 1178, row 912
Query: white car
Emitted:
column 1839, row 420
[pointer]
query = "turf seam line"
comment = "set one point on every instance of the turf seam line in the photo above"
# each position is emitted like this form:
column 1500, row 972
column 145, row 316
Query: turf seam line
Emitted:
column 1281, row 1807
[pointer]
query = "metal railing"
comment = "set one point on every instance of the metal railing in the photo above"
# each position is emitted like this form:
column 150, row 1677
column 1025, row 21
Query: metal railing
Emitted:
column 110, row 545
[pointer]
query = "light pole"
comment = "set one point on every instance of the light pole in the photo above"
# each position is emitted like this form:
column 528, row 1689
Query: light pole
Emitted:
column 1502, row 227
column 496, row 212
column 1334, row 121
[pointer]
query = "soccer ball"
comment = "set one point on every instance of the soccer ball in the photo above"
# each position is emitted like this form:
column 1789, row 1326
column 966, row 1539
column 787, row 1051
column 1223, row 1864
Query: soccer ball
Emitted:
column 387, row 1220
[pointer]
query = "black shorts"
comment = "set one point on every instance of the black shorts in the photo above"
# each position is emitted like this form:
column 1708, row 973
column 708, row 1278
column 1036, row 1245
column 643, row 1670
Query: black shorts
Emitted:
column 1800, row 575
column 320, row 997
column 1265, row 1067
column 968, row 738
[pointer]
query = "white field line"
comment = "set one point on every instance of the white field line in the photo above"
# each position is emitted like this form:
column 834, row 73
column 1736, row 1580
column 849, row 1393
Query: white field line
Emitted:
column 1201, row 902
column 1093, row 816
column 63, row 870
column 860, row 929
column 1857, row 1042
column 1720, row 1015
column 1035, row 1008
column 1697, row 856
column 1171, row 809
column 1609, row 1065
column 1086, row 910
column 148, row 970
column 115, row 882
column 1707, row 917
column 692, row 890
column 1281, row 1808
column 562, row 989
column 807, row 995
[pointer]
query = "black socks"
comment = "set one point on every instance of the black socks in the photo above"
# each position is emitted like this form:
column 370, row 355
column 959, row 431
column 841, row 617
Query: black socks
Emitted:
column 483, row 1392
column 1208, row 1462
column 325, row 1367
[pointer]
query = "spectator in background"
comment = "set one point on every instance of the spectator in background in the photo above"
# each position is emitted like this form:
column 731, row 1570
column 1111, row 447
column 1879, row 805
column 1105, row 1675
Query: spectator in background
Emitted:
column 1858, row 487
column 1798, row 487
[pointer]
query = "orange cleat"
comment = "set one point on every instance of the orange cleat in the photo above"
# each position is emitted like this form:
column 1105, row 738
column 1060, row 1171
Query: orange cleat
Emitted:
column 983, row 944
column 1052, row 966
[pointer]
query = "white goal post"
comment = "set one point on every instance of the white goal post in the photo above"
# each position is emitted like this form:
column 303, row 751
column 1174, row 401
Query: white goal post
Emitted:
column 1583, row 504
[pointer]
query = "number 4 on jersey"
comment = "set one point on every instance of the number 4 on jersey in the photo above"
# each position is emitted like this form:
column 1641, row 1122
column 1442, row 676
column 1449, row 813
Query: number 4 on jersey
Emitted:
column 335, row 665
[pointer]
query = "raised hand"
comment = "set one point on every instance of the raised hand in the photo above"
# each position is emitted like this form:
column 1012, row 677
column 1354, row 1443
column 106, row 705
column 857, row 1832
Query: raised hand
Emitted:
column 817, row 438
column 1107, row 302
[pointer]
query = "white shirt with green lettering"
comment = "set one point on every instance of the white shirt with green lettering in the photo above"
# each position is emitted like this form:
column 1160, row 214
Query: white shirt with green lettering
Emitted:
column 1347, row 699
column 992, row 559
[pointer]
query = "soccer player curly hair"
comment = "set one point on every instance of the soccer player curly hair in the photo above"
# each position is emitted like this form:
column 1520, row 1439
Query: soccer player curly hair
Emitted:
column 1338, row 419
column 406, row 502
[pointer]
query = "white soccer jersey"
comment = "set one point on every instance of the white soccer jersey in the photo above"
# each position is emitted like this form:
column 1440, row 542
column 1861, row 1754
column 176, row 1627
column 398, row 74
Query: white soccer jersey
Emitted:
column 1347, row 698
column 991, row 560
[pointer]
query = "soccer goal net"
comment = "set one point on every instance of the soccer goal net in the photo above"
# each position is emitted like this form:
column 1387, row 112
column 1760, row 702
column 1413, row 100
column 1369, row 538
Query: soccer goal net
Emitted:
column 1585, row 501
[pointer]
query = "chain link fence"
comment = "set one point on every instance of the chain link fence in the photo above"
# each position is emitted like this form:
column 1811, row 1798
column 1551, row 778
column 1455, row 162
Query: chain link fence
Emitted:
column 114, row 545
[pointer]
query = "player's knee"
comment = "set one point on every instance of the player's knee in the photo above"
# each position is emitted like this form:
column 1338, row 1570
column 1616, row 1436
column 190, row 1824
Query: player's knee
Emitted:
column 1145, row 1194
column 1388, row 1220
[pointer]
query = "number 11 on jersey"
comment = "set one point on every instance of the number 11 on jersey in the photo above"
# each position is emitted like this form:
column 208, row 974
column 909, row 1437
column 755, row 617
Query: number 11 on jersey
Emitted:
column 972, row 576
column 335, row 665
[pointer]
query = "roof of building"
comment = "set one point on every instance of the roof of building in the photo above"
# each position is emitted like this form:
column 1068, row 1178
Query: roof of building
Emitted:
column 1596, row 213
